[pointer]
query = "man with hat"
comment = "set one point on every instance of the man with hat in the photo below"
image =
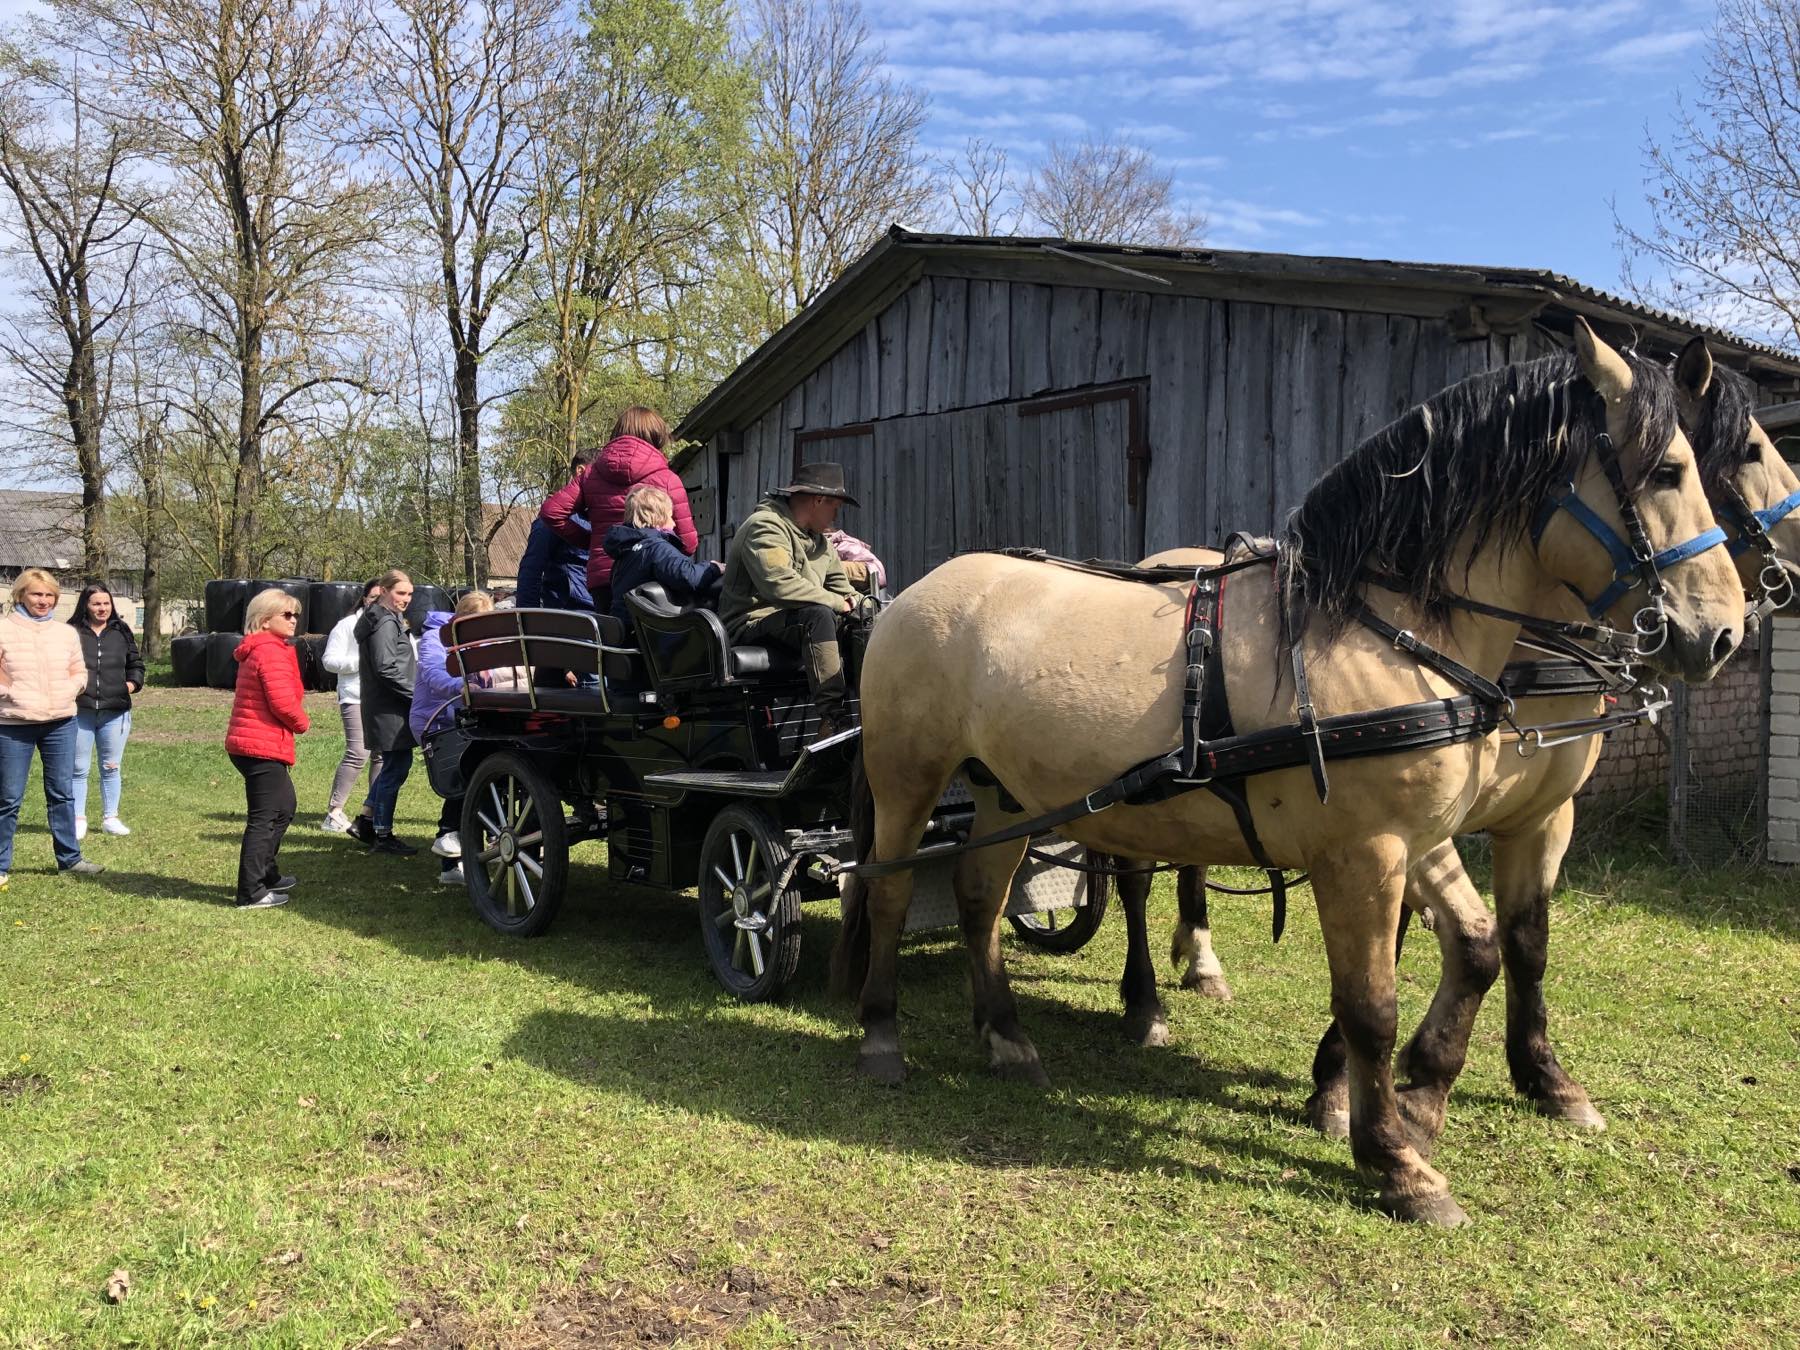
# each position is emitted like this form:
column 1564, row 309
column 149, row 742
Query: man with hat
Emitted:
column 785, row 586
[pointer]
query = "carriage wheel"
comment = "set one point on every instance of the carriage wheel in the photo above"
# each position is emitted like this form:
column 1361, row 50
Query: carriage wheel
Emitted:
column 1067, row 930
column 515, row 846
column 751, row 930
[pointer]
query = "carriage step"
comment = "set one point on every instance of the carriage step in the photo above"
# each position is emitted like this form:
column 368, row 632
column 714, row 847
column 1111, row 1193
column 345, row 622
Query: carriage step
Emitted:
column 744, row 781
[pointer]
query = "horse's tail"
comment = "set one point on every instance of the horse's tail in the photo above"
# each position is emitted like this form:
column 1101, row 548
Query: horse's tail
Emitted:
column 850, row 958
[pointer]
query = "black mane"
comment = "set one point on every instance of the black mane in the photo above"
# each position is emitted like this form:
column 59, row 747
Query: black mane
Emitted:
column 1721, row 431
column 1481, row 455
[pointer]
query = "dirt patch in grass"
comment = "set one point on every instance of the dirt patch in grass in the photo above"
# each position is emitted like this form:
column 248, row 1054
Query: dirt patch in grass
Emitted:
column 17, row 1086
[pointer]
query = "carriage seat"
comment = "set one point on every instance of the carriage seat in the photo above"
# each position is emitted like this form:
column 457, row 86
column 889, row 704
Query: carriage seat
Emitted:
column 686, row 647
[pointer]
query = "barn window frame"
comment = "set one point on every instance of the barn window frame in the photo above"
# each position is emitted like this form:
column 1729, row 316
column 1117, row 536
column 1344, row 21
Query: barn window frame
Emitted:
column 1132, row 394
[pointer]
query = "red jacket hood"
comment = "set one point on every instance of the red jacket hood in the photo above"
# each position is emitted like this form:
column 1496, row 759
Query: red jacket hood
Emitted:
column 627, row 459
column 254, row 640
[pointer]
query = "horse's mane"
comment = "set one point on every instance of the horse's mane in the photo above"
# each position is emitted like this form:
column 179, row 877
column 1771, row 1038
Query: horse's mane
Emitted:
column 1721, row 432
column 1470, row 464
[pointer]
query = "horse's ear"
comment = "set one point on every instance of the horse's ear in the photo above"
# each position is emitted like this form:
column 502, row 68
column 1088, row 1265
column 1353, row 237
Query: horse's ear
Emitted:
column 1605, row 368
column 1694, row 369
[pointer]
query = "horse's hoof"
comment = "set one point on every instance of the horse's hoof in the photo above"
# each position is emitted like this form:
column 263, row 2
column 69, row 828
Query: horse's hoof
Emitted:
column 1022, row 1071
column 1436, row 1209
column 1148, row 1029
column 1576, row 1111
column 1207, row 986
column 1328, row 1109
column 886, row 1067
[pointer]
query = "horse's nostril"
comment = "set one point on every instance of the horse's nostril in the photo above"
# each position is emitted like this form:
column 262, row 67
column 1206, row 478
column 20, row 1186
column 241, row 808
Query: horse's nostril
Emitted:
column 1724, row 645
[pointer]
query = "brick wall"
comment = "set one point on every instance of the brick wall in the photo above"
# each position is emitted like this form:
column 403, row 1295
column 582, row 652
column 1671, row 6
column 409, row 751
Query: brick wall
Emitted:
column 1784, row 740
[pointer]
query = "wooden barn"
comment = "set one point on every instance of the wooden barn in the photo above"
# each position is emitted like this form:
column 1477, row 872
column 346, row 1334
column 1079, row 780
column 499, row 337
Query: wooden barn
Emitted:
column 1101, row 401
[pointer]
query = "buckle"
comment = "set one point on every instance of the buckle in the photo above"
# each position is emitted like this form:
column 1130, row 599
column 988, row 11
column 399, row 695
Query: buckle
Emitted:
column 1406, row 640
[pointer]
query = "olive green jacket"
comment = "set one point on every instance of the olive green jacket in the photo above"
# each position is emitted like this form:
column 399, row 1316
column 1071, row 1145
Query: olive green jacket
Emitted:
column 774, row 564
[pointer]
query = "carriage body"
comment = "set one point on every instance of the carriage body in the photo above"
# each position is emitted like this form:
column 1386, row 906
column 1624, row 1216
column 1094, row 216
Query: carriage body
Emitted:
column 696, row 762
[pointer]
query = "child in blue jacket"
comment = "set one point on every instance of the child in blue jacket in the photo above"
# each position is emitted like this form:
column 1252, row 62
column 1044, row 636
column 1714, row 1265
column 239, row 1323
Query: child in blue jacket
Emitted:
column 646, row 548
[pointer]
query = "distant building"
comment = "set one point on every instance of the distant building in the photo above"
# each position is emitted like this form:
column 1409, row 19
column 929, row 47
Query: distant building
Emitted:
column 43, row 529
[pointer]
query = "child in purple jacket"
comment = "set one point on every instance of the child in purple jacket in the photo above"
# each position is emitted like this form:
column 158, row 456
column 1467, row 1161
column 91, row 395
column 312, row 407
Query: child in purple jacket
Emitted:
column 646, row 548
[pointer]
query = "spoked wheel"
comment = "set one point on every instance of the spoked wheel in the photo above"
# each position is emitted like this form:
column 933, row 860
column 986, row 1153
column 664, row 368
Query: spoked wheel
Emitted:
column 1067, row 930
column 751, row 929
column 515, row 846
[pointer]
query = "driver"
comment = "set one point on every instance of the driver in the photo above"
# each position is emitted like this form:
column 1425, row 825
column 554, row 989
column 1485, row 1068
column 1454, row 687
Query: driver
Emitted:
column 785, row 586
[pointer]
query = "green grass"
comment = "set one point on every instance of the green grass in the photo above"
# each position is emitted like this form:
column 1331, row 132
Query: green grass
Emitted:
column 366, row 1117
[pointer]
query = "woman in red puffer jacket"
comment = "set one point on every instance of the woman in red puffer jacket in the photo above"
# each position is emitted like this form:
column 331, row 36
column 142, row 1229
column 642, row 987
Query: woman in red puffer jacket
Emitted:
column 633, row 455
column 267, row 713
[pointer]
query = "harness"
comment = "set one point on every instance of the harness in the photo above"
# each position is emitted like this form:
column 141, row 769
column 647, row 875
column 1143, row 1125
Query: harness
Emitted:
column 1774, row 583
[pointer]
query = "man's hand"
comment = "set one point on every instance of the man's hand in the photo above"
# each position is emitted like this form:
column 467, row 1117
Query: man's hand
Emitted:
column 846, row 605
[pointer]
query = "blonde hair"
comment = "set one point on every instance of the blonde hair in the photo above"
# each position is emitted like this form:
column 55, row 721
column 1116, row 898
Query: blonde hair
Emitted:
column 262, row 608
column 474, row 602
column 392, row 578
column 34, row 578
column 644, row 423
column 648, row 505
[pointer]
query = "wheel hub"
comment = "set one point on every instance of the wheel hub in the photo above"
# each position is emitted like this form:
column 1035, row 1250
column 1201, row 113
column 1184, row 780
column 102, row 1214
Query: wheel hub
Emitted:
column 740, row 902
column 509, row 848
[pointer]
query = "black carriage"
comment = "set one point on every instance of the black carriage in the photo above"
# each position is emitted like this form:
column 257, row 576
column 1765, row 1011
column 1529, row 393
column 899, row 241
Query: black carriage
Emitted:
column 697, row 762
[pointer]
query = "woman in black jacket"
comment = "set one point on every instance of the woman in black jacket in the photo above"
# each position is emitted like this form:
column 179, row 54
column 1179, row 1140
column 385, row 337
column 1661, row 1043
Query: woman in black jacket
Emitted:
column 388, row 668
column 115, row 671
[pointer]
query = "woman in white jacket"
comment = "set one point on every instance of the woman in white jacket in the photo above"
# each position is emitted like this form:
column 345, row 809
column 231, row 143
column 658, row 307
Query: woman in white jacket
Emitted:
column 342, row 659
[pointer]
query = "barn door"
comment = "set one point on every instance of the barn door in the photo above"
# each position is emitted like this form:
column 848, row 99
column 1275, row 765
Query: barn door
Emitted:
column 1087, row 458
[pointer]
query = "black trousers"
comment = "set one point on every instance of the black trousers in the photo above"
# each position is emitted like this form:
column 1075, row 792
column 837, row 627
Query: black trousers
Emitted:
column 269, row 797
column 809, row 631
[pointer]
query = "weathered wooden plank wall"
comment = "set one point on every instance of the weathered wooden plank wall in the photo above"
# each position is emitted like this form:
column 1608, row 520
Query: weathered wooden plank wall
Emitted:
column 1246, row 405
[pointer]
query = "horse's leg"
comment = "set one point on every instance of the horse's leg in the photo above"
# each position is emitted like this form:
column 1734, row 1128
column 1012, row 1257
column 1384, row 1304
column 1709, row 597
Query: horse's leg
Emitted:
column 1329, row 1106
column 1192, row 940
column 1146, row 1020
column 983, row 880
column 905, row 806
column 1360, row 897
column 1432, row 1059
column 1525, row 869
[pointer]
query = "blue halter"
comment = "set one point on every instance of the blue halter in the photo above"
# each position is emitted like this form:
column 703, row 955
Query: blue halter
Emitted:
column 1633, row 562
column 1752, row 525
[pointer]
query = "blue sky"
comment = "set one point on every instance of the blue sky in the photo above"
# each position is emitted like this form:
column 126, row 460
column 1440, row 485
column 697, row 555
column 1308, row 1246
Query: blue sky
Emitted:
column 1477, row 131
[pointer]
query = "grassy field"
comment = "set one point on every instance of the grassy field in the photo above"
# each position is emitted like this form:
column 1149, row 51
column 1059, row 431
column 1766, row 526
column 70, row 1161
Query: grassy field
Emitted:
column 367, row 1120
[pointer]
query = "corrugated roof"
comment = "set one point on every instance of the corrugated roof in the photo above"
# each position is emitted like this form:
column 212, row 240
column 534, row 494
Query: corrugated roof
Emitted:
column 43, row 529
column 870, row 283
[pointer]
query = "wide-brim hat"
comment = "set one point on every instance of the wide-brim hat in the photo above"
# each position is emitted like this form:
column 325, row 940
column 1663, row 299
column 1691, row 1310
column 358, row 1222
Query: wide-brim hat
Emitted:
column 823, row 479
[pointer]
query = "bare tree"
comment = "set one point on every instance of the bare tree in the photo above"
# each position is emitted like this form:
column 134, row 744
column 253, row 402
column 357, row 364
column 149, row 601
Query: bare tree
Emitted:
column 835, row 156
column 1109, row 192
column 263, row 214
column 982, row 198
column 458, row 98
column 79, row 236
column 1724, row 192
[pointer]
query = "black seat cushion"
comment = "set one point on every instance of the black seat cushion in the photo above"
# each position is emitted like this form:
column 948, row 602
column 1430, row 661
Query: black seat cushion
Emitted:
column 763, row 661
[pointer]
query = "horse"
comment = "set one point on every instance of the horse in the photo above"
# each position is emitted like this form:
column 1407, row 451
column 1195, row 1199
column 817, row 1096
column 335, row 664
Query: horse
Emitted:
column 1038, row 684
column 1527, row 809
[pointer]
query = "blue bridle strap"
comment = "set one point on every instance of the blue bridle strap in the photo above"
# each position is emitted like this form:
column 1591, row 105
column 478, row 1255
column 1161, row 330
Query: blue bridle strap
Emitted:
column 1769, row 515
column 1628, row 567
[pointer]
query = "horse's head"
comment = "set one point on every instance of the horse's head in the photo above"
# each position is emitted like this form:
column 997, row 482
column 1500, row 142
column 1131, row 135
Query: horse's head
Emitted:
column 1632, row 532
column 1753, row 490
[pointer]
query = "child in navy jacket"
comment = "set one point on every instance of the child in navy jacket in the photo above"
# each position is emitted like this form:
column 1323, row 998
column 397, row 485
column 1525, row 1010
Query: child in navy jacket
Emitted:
column 646, row 548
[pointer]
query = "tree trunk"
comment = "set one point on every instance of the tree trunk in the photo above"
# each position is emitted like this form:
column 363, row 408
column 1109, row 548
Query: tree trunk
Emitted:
column 151, row 637
column 81, row 397
column 468, row 462
column 247, row 493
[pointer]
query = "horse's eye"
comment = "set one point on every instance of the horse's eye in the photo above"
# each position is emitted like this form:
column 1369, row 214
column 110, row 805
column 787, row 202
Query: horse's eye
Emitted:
column 1668, row 475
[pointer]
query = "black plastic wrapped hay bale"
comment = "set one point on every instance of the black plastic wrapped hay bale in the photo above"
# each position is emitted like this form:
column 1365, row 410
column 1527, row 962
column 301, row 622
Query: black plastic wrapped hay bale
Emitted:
column 187, row 654
column 225, row 601
column 296, row 588
column 425, row 599
column 329, row 602
column 310, row 652
column 221, row 664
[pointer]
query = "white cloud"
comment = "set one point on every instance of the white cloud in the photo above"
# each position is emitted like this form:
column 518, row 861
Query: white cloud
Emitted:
column 1650, row 49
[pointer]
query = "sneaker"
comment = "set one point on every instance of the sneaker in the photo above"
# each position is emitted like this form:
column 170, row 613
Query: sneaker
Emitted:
column 447, row 845
column 2, row 881
column 451, row 876
column 113, row 825
column 284, row 885
column 335, row 822
column 267, row 900
column 83, row 868
column 386, row 843
column 80, row 828
column 362, row 829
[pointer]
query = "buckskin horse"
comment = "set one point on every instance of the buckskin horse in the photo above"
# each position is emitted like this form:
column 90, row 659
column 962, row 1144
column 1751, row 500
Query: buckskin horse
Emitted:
column 1055, row 692
column 1527, row 808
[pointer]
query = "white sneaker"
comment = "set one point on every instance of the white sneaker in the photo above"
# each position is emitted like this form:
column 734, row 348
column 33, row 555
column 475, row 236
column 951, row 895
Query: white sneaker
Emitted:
column 113, row 825
column 2, row 881
column 335, row 822
column 447, row 845
column 454, row 877
column 80, row 828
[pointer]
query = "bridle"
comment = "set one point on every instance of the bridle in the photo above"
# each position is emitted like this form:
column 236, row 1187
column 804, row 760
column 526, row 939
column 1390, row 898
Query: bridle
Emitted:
column 1774, row 582
column 1635, row 561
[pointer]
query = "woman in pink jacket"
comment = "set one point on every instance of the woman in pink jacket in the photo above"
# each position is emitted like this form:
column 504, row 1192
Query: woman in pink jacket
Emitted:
column 42, row 673
column 634, row 454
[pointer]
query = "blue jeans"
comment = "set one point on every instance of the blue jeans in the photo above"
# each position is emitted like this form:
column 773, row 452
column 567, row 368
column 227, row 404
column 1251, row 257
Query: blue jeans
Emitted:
column 384, row 792
column 109, row 729
column 54, row 742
